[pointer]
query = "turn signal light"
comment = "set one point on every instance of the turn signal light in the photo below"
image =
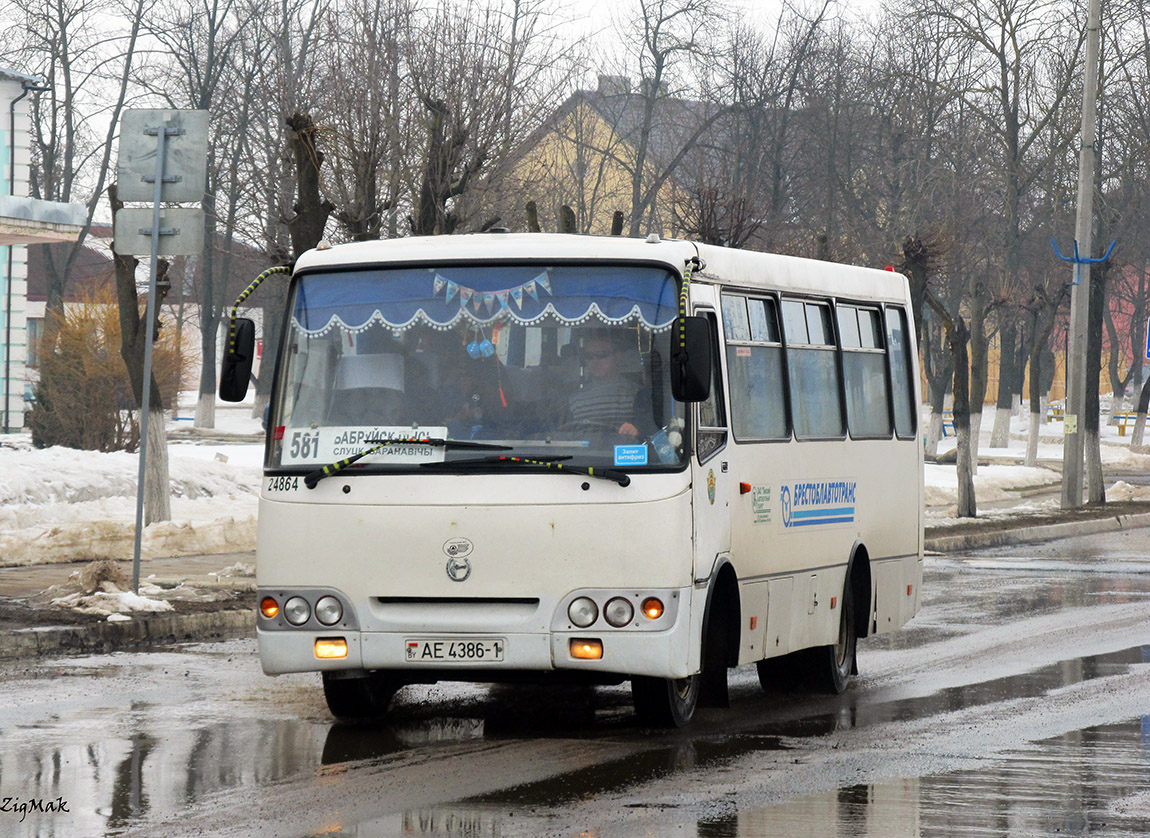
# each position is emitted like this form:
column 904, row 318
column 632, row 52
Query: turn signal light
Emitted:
column 652, row 608
column 588, row 650
column 331, row 647
column 269, row 608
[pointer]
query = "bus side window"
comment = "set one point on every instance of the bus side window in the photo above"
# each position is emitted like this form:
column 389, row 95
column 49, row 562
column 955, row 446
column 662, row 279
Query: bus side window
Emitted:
column 755, row 366
column 901, row 371
column 711, row 435
column 816, row 406
column 864, row 368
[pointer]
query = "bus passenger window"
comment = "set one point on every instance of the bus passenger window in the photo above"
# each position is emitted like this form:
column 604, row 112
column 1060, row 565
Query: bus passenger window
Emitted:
column 755, row 365
column 816, row 406
column 900, row 371
column 864, row 367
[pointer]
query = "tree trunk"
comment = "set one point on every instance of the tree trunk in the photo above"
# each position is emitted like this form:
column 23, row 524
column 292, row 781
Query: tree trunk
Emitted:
column 1140, row 422
column 1000, row 436
column 979, row 367
column 967, row 506
column 1094, row 477
column 209, row 316
column 157, row 491
column 133, row 340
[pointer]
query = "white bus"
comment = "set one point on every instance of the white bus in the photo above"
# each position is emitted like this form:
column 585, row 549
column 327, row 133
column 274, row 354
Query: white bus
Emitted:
column 500, row 456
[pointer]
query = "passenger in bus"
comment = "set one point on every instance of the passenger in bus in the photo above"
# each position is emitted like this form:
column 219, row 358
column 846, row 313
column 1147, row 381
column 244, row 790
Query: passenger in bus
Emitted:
column 607, row 399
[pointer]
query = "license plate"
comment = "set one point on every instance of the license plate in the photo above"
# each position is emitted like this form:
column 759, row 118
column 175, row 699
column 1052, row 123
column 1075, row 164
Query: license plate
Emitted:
column 455, row 649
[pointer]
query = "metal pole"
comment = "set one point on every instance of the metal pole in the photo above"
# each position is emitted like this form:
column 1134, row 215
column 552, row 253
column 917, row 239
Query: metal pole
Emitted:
column 1072, row 448
column 146, row 400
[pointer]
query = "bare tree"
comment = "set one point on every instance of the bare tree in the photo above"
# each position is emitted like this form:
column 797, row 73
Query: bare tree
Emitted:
column 193, row 68
column 85, row 50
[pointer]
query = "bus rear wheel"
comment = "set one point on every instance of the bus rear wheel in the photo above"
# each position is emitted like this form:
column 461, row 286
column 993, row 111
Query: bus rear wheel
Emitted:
column 665, row 702
column 829, row 668
column 361, row 698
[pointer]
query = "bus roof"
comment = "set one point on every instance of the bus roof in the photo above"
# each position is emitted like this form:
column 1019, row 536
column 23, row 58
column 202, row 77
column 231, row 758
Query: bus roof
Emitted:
column 725, row 266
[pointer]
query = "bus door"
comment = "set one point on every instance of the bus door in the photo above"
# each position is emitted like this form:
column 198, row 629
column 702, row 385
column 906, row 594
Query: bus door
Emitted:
column 711, row 475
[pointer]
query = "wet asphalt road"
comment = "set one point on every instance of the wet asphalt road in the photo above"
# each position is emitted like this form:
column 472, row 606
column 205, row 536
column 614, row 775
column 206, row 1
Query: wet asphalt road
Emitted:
column 1016, row 703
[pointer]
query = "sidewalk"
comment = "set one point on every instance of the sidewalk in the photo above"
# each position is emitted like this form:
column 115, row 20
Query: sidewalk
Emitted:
column 31, row 627
column 220, row 607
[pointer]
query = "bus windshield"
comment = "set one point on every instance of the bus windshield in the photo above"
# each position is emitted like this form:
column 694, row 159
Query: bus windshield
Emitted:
column 565, row 363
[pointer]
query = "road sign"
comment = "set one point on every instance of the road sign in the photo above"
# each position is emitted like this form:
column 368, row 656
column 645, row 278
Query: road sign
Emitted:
column 163, row 158
column 186, row 159
column 1148, row 340
column 181, row 232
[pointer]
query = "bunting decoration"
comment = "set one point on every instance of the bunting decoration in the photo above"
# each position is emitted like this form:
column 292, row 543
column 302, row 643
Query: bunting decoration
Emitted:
column 479, row 299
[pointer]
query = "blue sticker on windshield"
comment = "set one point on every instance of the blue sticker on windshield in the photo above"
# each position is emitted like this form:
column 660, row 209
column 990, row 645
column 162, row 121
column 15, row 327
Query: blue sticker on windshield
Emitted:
column 630, row 455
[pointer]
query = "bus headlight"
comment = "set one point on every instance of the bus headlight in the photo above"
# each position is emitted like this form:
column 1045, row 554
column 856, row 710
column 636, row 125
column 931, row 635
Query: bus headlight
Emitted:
column 618, row 612
column 328, row 610
column 583, row 612
column 297, row 611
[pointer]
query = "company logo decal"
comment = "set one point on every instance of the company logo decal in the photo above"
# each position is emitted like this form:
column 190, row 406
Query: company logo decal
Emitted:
column 458, row 569
column 817, row 503
column 458, row 548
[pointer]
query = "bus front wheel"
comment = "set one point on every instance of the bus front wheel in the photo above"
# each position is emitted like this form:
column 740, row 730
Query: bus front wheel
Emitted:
column 665, row 702
column 358, row 699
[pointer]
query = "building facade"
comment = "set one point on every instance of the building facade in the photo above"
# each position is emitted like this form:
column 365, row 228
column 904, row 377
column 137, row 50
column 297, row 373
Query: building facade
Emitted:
column 23, row 220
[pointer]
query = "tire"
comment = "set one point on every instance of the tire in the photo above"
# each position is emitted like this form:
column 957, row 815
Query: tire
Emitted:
column 360, row 699
column 665, row 702
column 829, row 668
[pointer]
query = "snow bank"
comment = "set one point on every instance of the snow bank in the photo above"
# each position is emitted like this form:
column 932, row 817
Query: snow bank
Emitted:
column 62, row 505
column 992, row 483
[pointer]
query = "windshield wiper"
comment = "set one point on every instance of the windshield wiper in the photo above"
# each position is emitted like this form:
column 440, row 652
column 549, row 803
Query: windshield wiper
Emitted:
column 546, row 462
column 327, row 471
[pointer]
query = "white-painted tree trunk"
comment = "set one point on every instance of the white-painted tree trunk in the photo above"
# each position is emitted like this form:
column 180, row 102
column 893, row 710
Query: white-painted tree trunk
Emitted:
column 1032, row 440
column 975, row 436
column 933, row 434
column 1139, row 430
column 1094, row 478
column 205, row 411
column 1043, row 406
column 967, row 507
column 1000, row 436
column 157, row 486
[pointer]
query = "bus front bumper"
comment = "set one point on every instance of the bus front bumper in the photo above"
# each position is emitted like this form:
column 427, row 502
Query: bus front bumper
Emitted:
column 663, row 654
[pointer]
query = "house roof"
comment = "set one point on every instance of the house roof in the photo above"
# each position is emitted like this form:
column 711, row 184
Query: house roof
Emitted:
column 12, row 75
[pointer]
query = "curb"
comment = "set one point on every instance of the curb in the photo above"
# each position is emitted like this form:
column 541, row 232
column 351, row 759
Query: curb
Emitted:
column 155, row 630
column 1026, row 535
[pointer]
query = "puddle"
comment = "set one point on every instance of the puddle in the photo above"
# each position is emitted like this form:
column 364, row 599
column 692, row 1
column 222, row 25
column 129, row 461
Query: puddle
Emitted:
column 346, row 743
column 1089, row 782
column 869, row 708
column 711, row 751
column 632, row 770
column 109, row 784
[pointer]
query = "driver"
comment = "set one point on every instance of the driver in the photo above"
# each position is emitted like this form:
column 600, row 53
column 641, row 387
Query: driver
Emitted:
column 608, row 396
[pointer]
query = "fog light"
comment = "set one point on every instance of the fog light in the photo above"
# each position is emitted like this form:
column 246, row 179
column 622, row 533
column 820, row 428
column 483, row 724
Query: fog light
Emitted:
column 652, row 608
column 588, row 650
column 297, row 611
column 618, row 612
column 331, row 647
column 328, row 610
column 583, row 612
column 269, row 608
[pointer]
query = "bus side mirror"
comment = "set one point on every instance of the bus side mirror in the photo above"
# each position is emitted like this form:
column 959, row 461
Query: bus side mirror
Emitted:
column 691, row 361
column 237, row 367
